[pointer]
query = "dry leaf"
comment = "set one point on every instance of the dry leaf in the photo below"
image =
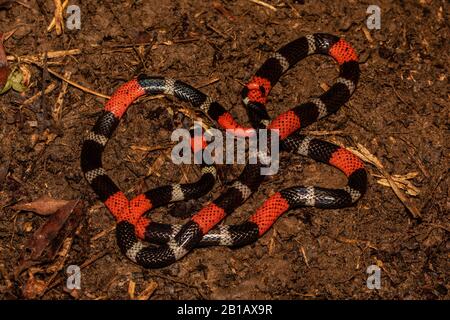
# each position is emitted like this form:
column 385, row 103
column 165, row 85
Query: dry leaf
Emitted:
column 45, row 243
column 402, row 181
column 45, row 205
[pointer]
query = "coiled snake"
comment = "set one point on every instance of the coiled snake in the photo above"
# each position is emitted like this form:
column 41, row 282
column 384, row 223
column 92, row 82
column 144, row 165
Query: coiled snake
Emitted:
column 175, row 241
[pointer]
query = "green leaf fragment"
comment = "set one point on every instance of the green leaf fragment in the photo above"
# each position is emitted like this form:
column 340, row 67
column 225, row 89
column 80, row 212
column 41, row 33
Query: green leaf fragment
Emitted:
column 15, row 82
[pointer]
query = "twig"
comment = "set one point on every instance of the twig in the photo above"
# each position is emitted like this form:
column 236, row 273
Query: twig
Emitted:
column 49, row 89
column 131, row 288
column 297, row 14
column 84, row 265
column 57, row 108
column 103, row 233
column 45, row 80
column 324, row 132
column 40, row 56
column 149, row 149
column 53, row 23
column 220, row 33
column 148, row 291
column 264, row 4
column 27, row 6
column 219, row 7
column 304, row 256
column 58, row 18
column 59, row 265
column 209, row 82
column 76, row 85
column 34, row 59
column 402, row 181
column 9, row 34
column 399, row 96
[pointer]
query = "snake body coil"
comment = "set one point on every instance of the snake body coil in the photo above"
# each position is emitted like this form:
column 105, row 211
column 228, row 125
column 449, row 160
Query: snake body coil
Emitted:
column 175, row 241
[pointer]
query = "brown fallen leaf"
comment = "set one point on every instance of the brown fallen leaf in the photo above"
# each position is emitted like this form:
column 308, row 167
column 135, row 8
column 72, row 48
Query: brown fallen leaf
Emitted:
column 44, row 206
column 48, row 239
column 4, row 69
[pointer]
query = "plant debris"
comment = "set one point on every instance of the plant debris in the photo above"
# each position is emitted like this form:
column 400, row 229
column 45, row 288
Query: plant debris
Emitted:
column 44, row 206
column 48, row 239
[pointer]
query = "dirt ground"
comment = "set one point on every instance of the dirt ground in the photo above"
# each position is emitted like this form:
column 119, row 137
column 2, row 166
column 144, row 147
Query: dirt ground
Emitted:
column 399, row 112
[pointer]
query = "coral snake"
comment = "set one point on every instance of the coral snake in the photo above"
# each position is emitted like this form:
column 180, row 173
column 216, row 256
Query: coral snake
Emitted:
column 172, row 242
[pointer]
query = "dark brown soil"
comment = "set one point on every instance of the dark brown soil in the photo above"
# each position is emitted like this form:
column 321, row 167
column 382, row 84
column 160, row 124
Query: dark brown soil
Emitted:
column 399, row 112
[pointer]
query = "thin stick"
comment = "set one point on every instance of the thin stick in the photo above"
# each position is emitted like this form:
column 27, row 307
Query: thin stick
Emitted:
column 304, row 256
column 56, row 54
column 264, row 4
column 40, row 56
column 103, row 233
column 58, row 107
column 53, row 23
column 213, row 80
column 324, row 132
column 66, row 247
column 76, row 85
column 58, row 17
column 148, row 291
column 84, row 265
column 49, row 89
